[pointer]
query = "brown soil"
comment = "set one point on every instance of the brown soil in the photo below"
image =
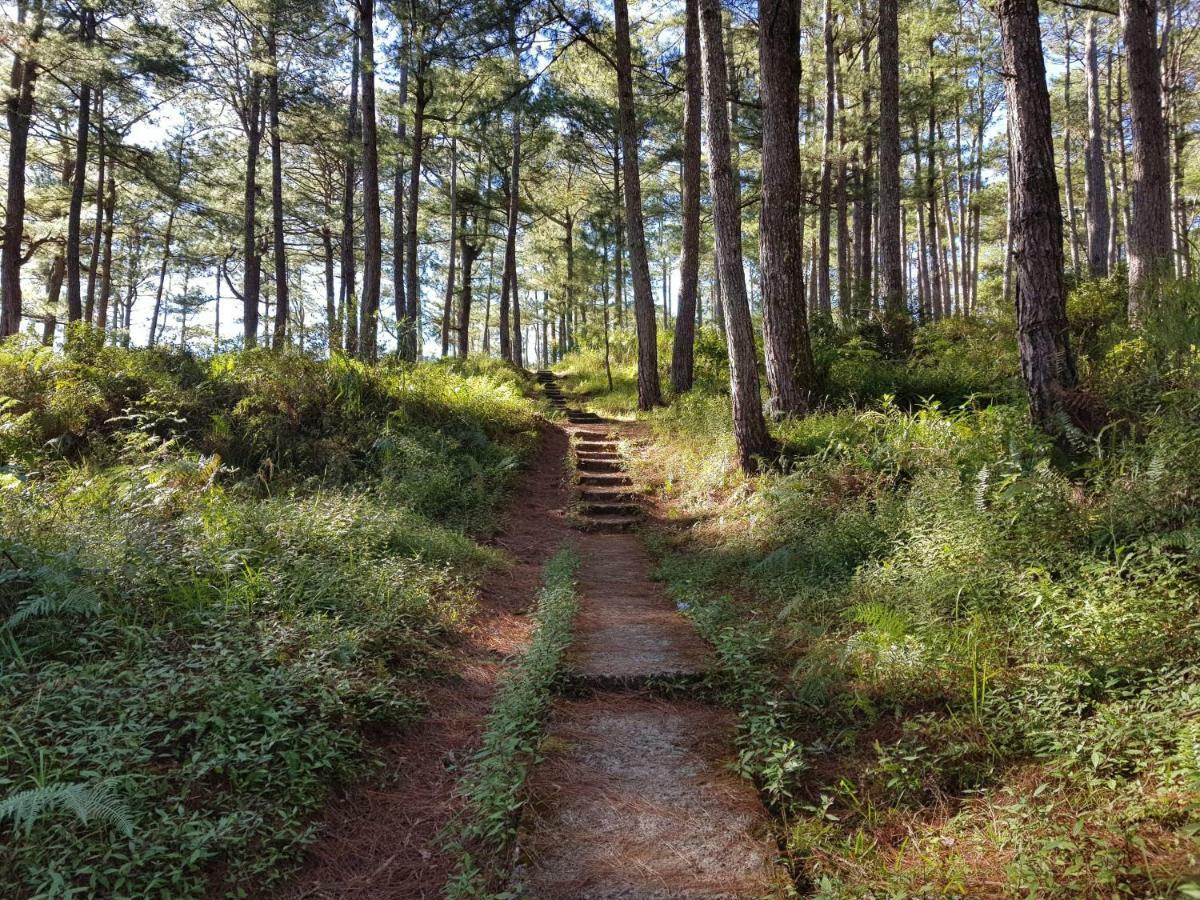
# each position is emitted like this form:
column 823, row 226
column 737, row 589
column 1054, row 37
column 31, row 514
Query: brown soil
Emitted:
column 379, row 840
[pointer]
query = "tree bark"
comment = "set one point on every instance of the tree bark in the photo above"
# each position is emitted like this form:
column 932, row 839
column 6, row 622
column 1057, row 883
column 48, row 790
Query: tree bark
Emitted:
column 649, row 391
column 470, row 252
column 749, row 426
column 845, row 253
column 398, row 234
column 75, row 210
column 410, row 334
column 330, row 296
column 509, row 324
column 252, row 269
column 162, row 277
column 448, row 306
column 89, row 303
column 897, row 323
column 18, row 114
column 1096, row 204
column 683, row 350
column 1150, row 211
column 781, row 244
column 824, row 298
column 372, row 231
column 1068, row 168
column 279, row 250
column 1047, row 365
column 864, row 269
column 349, row 312
column 110, row 203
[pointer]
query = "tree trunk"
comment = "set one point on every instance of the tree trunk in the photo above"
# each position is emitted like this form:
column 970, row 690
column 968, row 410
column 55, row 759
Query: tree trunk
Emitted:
column 75, row 210
column 398, row 235
column 448, row 306
column 330, row 296
column 162, row 277
column 411, row 337
column 1047, row 364
column 18, row 114
column 683, row 350
column 349, row 312
column 110, row 203
column 845, row 254
column 508, row 277
column 1006, row 291
column 649, row 392
column 1114, row 196
column 781, row 245
column 749, row 426
column 864, row 270
column 891, row 271
column 1150, row 212
column 619, row 254
column 487, row 302
column 824, row 299
column 470, row 252
column 89, row 303
column 1097, row 188
column 279, row 250
column 1068, row 168
column 372, row 230
column 252, row 269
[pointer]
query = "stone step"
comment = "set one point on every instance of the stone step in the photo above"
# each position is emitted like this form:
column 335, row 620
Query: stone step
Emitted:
column 610, row 509
column 602, row 460
column 598, row 465
column 585, row 418
column 603, row 479
column 598, row 454
column 607, row 523
column 595, row 446
column 608, row 493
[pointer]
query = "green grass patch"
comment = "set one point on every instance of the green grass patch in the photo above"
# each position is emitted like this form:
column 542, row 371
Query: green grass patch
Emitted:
column 493, row 782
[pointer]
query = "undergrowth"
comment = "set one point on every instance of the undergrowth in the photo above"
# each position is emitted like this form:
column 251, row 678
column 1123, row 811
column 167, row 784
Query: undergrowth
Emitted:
column 218, row 578
column 493, row 783
column 964, row 661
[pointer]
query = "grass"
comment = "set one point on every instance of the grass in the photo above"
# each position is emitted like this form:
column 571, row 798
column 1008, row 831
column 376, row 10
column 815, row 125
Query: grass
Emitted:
column 495, row 776
column 964, row 662
column 218, row 578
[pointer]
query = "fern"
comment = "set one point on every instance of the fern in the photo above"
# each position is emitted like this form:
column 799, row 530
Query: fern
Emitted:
column 100, row 803
column 885, row 621
column 50, row 590
column 67, row 600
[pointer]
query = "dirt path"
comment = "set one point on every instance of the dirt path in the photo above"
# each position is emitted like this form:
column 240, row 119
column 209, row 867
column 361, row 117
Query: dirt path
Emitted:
column 634, row 798
column 379, row 840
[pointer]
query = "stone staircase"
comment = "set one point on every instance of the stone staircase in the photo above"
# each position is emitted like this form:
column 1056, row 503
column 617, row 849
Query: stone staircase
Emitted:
column 606, row 499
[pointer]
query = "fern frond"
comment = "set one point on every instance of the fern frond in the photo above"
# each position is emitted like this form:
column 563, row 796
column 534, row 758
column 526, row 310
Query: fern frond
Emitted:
column 98, row 802
column 885, row 620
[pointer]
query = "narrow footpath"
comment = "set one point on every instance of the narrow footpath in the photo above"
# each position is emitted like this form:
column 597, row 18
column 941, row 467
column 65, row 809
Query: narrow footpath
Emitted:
column 634, row 797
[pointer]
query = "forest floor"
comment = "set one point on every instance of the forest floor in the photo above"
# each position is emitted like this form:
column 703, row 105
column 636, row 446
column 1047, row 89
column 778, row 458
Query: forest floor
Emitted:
column 382, row 839
column 632, row 795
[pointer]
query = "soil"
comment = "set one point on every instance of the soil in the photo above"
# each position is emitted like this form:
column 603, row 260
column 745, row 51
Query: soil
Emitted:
column 380, row 839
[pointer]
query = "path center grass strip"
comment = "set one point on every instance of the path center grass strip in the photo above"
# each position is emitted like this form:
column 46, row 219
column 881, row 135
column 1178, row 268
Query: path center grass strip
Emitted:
column 495, row 776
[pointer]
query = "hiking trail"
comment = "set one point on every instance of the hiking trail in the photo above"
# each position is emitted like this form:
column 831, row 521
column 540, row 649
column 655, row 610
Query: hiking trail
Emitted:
column 633, row 797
